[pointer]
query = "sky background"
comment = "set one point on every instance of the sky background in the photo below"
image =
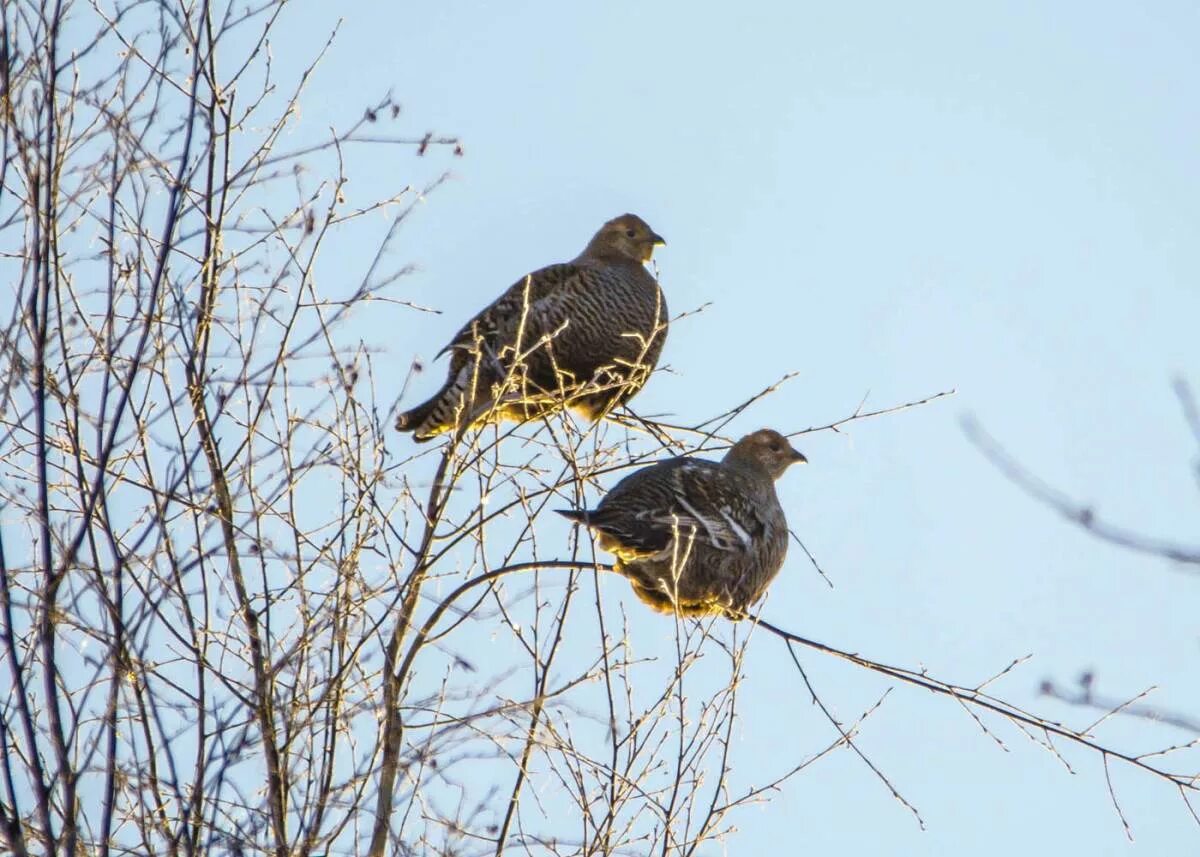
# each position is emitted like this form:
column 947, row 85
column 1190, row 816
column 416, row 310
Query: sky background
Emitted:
column 891, row 200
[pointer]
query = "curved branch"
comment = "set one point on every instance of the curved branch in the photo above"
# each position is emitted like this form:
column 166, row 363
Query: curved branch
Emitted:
column 440, row 610
column 1083, row 516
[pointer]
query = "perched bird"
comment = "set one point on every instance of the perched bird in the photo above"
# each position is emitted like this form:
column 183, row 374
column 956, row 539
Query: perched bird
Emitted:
column 699, row 537
column 585, row 334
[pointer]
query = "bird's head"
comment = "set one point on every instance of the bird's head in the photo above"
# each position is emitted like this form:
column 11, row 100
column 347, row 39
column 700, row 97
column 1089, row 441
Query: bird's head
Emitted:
column 625, row 237
column 767, row 450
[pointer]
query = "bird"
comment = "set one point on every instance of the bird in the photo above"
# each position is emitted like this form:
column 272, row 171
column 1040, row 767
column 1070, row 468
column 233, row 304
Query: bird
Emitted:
column 584, row 334
column 699, row 537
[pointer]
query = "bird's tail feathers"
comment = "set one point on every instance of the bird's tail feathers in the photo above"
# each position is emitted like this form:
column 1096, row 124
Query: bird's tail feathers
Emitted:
column 439, row 414
column 417, row 419
column 579, row 516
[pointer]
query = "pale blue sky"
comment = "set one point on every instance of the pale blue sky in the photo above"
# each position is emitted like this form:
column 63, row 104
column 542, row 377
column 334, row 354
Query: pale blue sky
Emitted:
column 894, row 198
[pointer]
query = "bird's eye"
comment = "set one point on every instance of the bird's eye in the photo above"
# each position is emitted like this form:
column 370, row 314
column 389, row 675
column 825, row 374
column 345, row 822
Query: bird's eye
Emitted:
column 774, row 447
column 629, row 233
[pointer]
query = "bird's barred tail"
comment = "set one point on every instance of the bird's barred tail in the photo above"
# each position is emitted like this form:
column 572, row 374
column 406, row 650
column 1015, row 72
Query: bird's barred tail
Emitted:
column 579, row 516
column 438, row 415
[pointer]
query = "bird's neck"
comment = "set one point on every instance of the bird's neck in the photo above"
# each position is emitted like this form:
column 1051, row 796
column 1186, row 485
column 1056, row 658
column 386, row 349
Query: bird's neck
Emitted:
column 748, row 465
column 604, row 255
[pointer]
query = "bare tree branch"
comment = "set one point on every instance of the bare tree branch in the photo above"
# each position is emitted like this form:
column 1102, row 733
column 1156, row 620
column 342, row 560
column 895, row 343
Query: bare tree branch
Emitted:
column 1081, row 515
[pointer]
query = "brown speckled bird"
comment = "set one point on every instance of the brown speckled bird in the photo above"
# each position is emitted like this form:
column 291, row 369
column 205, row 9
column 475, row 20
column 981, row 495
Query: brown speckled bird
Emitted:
column 699, row 537
column 585, row 334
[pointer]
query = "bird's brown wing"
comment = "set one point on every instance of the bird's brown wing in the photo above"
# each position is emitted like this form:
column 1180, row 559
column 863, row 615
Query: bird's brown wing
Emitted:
column 530, row 308
column 695, row 498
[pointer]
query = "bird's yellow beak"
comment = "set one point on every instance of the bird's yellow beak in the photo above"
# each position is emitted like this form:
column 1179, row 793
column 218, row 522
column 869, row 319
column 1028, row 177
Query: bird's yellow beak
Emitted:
column 657, row 239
